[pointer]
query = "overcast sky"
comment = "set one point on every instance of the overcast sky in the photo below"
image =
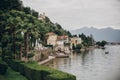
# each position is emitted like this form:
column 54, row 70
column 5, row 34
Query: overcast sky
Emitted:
column 74, row 14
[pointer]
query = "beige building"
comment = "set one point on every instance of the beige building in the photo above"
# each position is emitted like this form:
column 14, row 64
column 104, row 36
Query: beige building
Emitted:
column 75, row 41
column 58, row 41
column 61, row 40
column 51, row 38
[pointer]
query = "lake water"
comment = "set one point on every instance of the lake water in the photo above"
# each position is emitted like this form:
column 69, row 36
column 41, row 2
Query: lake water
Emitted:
column 92, row 65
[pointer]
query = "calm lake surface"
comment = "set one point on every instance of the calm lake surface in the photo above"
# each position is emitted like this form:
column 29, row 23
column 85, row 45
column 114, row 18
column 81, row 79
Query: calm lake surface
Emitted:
column 92, row 65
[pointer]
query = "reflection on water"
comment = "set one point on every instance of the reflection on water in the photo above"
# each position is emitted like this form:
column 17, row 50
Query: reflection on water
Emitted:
column 92, row 65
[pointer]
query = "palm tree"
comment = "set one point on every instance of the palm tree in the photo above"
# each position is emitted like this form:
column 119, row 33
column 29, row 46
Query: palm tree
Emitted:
column 13, row 23
column 18, row 22
column 30, row 29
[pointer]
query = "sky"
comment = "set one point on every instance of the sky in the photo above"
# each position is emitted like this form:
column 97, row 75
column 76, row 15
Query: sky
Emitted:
column 75, row 14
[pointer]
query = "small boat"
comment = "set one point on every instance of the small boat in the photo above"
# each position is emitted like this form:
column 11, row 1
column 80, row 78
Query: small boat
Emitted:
column 106, row 52
column 103, row 47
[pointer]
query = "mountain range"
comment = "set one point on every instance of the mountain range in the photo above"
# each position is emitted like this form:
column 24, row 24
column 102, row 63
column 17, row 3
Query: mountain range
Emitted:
column 107, row 34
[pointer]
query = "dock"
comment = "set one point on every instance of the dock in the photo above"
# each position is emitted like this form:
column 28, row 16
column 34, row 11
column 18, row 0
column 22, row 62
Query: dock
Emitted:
column 47, row 60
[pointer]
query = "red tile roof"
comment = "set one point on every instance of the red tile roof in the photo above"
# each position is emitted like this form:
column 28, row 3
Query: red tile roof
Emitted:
column 62, row 37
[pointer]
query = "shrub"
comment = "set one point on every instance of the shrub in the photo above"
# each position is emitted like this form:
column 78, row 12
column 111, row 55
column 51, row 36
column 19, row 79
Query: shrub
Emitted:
column 0, row 51
column 37, row 75
column 3, row 67
column 46, row 73
column 102, row 43
column 31, row 55
column 78, row 46
column 59, row 75
column 22, row 69
column 33, row 71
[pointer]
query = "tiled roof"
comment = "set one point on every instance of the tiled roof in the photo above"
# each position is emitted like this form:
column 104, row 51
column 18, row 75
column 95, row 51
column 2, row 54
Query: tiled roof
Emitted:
column 62, row 37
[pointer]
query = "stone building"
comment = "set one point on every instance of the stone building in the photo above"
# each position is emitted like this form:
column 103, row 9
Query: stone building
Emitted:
column 51, row 38
column 74, row 41
column 42, row 17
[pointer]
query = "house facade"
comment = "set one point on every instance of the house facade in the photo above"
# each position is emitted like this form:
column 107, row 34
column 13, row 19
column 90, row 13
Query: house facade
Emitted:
column 74, row 41
column 42, row 17
column 51, row 38
column 61, row 40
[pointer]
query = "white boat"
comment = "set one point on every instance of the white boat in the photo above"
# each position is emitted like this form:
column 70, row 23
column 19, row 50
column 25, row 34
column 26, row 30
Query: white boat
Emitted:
column 107, row 52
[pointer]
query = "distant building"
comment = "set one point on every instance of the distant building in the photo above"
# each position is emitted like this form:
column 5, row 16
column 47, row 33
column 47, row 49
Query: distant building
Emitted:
column 61, row 43
column 51, row 38
column 62, row 39
column 42, row 17
column 74, row 41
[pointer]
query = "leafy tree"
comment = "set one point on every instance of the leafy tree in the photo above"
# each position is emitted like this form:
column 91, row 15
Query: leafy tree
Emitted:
column 47, row 20
column 87, row 40
column 74, row 36
column 78, row 46
column 73, row 47
column 10, row 5
column 98, row 43
column 102, row 43
column 13, row 23
column 58, row 26
column 27, row 10
column 17, row 23
column 35, row 13
column 69, row 34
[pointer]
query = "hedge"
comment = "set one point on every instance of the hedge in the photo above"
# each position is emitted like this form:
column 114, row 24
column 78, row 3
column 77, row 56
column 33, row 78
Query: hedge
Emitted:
column 3, row 67
column 33, row 71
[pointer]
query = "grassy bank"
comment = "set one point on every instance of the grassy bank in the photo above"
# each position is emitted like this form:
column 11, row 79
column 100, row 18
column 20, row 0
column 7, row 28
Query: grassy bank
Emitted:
column 33, row 71
column 12, row 75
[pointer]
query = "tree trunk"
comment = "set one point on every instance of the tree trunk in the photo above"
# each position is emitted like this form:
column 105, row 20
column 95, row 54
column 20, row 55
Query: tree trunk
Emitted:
column 14, row 46
column 3, row 56
column 26, row 46
column 31, row 43
column 21, row 51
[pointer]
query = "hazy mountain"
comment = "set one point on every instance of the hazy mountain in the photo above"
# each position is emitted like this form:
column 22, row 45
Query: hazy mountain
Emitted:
column 108, row 34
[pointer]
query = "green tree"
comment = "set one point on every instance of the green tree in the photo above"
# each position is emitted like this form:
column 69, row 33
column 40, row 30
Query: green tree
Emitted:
column 17, row 23
column 78, row 46
column 27, row 10
column 35, row 13
column 102, row 43
column 87, row 40
column 30, row 29
column 73, row 47
column 10, row 5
